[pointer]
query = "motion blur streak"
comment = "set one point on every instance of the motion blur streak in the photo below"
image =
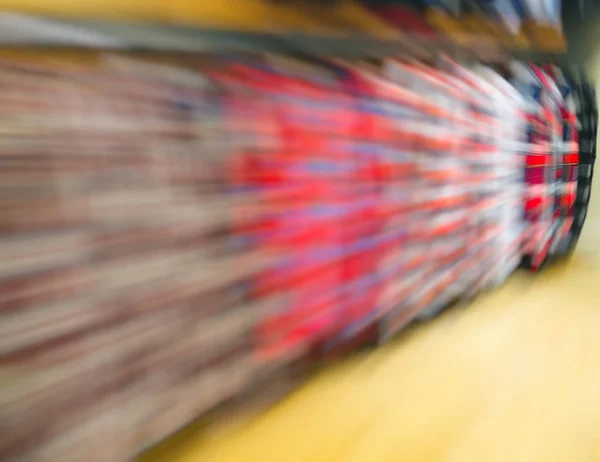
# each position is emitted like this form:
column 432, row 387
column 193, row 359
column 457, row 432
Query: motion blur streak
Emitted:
column 176, row 231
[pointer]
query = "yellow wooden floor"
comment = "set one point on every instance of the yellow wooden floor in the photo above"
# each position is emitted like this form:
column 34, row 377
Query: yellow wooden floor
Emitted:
column 514, row 376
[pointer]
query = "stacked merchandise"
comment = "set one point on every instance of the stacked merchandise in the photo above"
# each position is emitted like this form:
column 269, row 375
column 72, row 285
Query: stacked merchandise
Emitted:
column 568, row 147
column 485, row 159
column 513, row 12
column 587, row 117
column 172, row 229
column 558, row 120
column 428, row 263
column 552, row 161
column 123, row 311
column 478, row 24
column 452, row 220
column 363, row 239
column 401, row 117
column 541, row 162
column 317, row 200
column 508, row 183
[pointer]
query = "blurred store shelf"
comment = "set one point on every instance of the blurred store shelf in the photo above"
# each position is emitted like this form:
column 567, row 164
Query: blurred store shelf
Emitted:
column 345, row 29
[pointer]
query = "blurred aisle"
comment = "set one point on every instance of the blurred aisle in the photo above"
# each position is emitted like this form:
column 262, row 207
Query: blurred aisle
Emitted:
column 514, row 376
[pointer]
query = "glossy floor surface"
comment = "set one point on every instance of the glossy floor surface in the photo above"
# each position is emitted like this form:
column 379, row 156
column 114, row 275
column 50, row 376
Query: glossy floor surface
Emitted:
column 514, row 376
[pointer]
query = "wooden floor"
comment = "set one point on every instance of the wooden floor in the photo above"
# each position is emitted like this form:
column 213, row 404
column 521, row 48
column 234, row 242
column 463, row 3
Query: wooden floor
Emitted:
column 514, row 376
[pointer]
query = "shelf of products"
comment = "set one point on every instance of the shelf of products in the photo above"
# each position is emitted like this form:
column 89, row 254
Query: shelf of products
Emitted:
column 174, row 225
column 344, row 28
column 187, row 209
